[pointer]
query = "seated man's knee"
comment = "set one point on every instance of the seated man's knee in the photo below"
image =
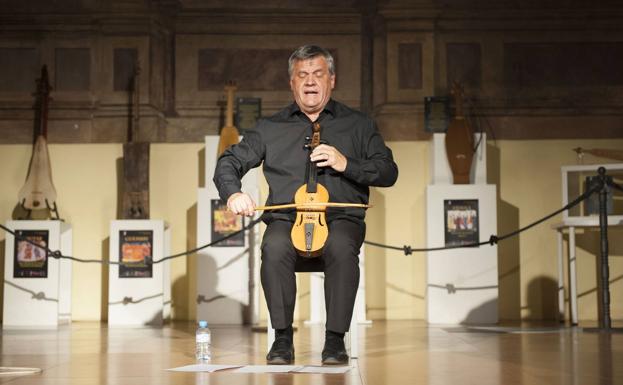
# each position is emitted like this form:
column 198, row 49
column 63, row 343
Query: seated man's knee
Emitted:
column 276, row 249
column 344, row 251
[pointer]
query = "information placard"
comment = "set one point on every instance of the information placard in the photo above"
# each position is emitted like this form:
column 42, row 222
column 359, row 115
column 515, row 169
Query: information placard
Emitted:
column 31, row 261
column 461, row 221
column 136, row 253
column 224, row 222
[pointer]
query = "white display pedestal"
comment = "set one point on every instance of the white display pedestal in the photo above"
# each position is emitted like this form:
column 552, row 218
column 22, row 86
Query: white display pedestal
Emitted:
column 134, row 299
column 34, row 301
column 462, row 283
column 228, row 285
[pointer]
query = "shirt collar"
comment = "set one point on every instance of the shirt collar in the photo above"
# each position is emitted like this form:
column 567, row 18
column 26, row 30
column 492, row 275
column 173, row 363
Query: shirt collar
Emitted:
column 329, row 107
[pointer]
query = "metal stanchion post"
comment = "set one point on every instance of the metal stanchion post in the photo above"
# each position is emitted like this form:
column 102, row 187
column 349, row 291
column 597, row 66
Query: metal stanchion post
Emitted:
column 605, row 323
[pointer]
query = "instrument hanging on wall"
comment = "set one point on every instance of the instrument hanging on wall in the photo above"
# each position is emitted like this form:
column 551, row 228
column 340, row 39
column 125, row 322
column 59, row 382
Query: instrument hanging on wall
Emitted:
column 600, row 152
column 459, row 140
column 38, row 192
column 229, row 134
column 135, row 198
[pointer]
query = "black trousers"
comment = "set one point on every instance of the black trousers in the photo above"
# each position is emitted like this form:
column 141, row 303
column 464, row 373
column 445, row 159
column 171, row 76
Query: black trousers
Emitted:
column 340, row 258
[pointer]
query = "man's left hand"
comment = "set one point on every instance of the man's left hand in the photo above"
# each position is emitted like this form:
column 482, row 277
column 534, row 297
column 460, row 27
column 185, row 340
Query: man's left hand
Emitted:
column 328, row 156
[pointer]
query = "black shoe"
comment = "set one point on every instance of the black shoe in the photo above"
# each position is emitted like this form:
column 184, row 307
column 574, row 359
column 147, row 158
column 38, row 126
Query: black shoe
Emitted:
column 281, row 353
column 334, row 352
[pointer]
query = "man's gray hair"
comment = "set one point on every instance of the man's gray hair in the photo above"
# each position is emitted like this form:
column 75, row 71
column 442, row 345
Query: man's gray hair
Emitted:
column 308, row 52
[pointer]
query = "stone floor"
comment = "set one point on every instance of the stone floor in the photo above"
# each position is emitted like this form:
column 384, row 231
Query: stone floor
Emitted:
column 392, row 352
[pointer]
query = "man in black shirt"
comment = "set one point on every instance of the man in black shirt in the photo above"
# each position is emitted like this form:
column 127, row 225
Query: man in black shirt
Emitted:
column 353, row 158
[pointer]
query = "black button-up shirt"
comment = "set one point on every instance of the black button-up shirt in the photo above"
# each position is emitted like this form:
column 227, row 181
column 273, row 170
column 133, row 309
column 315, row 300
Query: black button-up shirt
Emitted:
column 278, row 142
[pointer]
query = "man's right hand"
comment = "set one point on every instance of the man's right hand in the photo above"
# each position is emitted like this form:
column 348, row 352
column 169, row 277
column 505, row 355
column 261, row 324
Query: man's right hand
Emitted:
column 241, row 203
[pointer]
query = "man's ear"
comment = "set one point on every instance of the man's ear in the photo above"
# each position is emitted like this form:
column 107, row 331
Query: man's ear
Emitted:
column 332, row 81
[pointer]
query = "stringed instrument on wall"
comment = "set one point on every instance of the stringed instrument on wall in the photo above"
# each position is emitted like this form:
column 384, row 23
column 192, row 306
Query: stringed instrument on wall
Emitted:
column 607, row 153
column 38, row 192
column 459, row 140
column 135, row 198
column 229, row 134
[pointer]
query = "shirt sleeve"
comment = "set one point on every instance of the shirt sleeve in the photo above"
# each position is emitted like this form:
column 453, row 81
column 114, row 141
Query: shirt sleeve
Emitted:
column 236, row 161
column 377, row 166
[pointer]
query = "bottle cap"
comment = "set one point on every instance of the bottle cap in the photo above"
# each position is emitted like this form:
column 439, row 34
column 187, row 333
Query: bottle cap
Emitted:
column 203, row 324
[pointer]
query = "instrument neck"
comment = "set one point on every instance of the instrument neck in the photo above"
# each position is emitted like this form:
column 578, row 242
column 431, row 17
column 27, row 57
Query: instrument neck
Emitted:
column 311, row 174
column 312, row 177
column 44, row 100
column 229, row 117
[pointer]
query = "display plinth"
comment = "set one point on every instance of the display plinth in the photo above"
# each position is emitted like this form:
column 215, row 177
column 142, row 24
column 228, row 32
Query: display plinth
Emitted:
column 228, row 287
column 462, row 283
column 139, row 293
column 37, row 293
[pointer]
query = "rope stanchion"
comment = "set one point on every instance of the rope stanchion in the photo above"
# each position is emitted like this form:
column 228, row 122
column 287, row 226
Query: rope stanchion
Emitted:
column 56, row 254
column 493, row 239
column 406, row 249
column 615, row 185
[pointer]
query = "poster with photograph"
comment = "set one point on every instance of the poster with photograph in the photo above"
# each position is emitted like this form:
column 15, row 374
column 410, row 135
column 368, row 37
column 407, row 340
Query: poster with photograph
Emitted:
column 30, row 261
column 224, row 222
column 136, row 253
column 461, row 222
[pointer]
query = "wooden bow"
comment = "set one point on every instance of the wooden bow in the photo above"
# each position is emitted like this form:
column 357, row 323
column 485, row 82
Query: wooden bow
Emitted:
column 311, row 206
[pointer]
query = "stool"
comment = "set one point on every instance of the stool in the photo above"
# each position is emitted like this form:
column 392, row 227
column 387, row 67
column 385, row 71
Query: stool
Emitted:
column 316, row 265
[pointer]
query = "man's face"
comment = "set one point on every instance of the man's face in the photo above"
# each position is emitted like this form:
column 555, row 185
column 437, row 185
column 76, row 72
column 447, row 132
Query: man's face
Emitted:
column 311, row 84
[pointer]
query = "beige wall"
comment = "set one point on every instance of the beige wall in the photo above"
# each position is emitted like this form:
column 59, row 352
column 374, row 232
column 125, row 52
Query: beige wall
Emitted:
column 528, row 174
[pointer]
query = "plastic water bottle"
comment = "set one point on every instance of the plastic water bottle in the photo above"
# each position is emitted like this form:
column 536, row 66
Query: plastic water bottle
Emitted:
column 203, row 340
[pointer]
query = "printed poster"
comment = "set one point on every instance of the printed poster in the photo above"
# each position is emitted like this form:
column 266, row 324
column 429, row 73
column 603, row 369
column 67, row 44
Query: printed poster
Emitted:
column 461, row 222
column 136, row 253
column 30, row 261
column 224, row 222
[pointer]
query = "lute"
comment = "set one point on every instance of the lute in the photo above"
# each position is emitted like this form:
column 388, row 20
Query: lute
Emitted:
column 38, row 192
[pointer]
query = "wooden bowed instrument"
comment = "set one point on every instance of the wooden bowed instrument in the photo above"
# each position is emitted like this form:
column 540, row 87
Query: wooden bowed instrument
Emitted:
column 459, row 146
column 310, row 231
